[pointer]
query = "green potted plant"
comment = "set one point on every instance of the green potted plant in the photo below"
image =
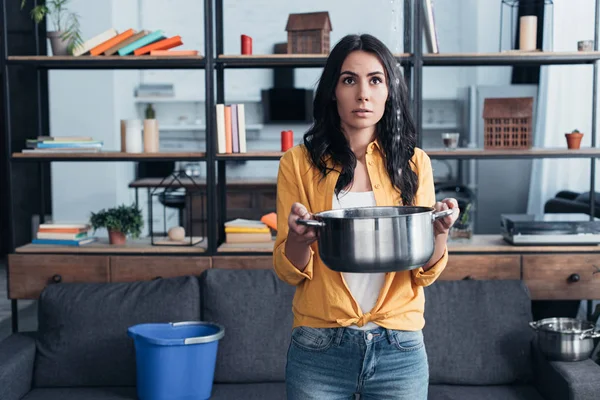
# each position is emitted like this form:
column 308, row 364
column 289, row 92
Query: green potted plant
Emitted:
column 66, row 34
column 574, row 139
column 119, row 221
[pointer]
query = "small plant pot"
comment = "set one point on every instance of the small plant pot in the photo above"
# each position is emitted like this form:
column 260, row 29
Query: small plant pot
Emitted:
column 116, row 237
column 574, row 140
column 60, row 47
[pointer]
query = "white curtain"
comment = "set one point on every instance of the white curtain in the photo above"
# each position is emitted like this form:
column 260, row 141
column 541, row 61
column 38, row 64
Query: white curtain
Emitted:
column 565, row 103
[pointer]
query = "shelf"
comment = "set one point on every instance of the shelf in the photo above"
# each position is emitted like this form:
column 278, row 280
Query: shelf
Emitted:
column 259, row 155
column 108, row 62
column 110, row 156
column 466, row 153
column 101, row 246
column 477, row 244
column 511, row 58
column 282, row 60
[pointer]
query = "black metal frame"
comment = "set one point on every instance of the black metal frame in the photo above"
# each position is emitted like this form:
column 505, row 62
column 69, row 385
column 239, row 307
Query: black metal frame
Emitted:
column 216, row 164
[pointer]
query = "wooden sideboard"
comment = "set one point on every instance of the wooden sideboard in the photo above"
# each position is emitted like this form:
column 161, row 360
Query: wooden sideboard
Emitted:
column 550, row 272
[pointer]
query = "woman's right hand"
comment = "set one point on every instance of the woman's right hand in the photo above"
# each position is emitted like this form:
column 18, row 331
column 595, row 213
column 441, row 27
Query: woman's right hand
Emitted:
column 300, row 233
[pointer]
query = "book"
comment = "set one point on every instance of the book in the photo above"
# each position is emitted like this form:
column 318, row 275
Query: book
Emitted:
column 94, row 41
column 78, row 242
column 174, row 53
column 228, row 134
column 102, row 47
column 242, row 127
column 235, row 139
column 164, row 44
column 248, row 237
column 146, row 40
column 64, row 225
column 61, row 236
column 221, row 146
column 244, row 223
column 126, row 42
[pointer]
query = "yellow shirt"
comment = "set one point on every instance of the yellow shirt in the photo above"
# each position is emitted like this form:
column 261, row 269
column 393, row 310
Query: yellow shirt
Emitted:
column 322, row 298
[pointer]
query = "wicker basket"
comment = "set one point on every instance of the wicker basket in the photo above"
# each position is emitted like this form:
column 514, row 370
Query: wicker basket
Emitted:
column 508, row 123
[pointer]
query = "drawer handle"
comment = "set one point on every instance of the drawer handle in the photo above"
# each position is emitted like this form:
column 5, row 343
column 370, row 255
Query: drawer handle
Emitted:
column 468, row 278
column 57, row 278
column 574, row 278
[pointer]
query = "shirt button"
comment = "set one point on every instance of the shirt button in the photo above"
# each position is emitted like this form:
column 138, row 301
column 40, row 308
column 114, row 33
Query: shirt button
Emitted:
column 377, row 186
column 369, row 336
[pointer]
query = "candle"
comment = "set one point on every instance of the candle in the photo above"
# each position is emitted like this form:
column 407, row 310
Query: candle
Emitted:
column 528, row 32
column 246, row 44
column 287, row 140
column 151, row 136
column 133, row 136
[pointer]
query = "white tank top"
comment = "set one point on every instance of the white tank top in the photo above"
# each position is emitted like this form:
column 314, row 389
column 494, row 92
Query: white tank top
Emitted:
column 365, row 288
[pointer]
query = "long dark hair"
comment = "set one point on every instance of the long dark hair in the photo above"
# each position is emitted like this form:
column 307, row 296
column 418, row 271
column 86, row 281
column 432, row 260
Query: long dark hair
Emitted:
column 395, row 131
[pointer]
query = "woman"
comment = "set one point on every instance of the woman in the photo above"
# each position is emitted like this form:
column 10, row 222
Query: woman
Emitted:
column 356, row 333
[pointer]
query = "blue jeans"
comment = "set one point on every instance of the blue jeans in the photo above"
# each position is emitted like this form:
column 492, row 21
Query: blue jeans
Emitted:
column 337, row 363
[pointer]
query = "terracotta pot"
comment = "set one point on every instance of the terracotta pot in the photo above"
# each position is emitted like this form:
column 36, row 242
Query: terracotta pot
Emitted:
column 59, row 46
column 573, row 140
column 116, row 237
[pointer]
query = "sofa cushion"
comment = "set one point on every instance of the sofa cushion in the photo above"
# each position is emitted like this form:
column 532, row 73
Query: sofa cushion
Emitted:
column 477, row 332
column 82, row 329
column 255, row 307
column 449, row 392
column 249, row 391
column 107, row 393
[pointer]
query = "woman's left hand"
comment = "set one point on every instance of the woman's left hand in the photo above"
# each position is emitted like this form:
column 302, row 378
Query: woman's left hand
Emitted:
column 443, row 225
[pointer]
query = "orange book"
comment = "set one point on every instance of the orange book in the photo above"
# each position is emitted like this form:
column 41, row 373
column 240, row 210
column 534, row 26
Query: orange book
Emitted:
column 102, row 47
column 62, row 230
column 228, row 133
column 270, row 220
column 173, row 53
column 164, row 44
column 112, row 50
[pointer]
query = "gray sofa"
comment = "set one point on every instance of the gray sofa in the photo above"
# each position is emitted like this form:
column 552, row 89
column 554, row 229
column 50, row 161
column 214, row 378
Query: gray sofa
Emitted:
column 478, row 341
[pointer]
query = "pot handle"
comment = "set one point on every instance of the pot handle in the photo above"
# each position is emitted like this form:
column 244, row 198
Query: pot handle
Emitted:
column 310, row 222
column 590, row 334
column 442, row 214
column 533, row 326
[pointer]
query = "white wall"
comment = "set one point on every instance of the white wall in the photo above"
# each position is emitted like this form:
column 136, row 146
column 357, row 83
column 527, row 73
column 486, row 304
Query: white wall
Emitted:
column 93, row 102
column 81, row 103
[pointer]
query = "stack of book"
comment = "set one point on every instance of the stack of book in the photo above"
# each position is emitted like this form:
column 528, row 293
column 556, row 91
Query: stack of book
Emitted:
column 247, row 231
column 132, row 43
column 63, row 234
column 63, row 144
column 231, row 128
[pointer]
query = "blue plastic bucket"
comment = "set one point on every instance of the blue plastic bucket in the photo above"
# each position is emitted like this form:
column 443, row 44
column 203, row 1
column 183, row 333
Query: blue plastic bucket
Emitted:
column 175, row 361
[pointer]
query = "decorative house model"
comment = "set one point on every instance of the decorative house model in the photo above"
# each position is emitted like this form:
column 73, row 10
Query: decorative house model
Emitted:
column 507, row 123
column 308, row 33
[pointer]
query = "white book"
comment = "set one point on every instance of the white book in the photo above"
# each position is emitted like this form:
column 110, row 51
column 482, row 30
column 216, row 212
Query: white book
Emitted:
column 95, row 41
column 242, row 128
column 245, row 223
column 65, row 225
column 221, row 147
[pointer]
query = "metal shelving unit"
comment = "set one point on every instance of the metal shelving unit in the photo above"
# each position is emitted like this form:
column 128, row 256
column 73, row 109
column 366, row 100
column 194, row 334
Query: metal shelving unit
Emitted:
column 214, row 62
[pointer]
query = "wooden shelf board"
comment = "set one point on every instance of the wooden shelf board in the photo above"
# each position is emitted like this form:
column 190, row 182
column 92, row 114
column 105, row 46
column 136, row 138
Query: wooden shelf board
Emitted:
column 477, row 244
column 255, row 155
column 285, row 55
column 101, row 246
column 516, row 153
column 109, row 156
column 186, row 182
column 110, row 62
column 510, row 58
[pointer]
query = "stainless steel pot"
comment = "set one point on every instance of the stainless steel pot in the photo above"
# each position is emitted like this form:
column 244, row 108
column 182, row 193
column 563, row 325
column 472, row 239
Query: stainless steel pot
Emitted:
column 375, row 239
column 565, row 339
